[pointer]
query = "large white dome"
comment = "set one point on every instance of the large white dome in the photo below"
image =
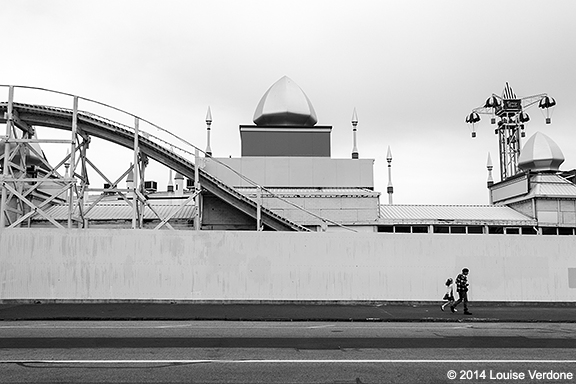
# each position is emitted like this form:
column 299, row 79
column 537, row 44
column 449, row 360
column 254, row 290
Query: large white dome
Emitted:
column 540, row 153
column 285, row 104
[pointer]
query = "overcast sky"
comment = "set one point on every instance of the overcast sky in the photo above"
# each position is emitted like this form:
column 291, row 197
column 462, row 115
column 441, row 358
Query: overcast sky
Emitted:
column 412, row 69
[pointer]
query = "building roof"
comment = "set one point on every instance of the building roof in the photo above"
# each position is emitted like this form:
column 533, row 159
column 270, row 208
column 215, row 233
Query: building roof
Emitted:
column 309, row 192
column 552, row 185
column 547, row 185
column 452, row 214
column 120, row 210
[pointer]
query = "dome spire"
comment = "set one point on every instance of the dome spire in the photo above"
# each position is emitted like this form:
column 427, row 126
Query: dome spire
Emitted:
column 489, row 167
column 490, row 181
column 390, row 188
column 354, row 124
column 208, row 124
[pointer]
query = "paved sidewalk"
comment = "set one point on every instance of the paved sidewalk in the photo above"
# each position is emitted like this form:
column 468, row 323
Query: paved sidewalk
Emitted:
column 387, row 312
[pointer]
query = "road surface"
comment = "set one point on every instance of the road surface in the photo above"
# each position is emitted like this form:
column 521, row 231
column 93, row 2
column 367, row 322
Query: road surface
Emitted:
column 286, row 352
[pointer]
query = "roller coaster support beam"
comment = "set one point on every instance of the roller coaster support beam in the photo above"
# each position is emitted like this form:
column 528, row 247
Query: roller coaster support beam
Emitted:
column 135, row 220
column 72, row 161
column 3, row 202
column 143, row 163
column 197, row 224
column 259, row 208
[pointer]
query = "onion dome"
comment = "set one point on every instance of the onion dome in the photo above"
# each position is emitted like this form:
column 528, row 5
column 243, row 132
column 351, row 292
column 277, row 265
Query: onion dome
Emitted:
column 284, row 103
column 540, row 153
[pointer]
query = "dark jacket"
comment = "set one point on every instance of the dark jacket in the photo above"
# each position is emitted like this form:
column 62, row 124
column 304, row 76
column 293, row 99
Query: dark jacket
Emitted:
column 462, row 283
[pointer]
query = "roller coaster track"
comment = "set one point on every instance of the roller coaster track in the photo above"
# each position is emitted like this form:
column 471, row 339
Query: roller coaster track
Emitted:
column 155, row 148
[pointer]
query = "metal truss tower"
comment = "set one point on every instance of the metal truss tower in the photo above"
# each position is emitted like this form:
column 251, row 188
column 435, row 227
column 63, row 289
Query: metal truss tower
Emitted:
column 509, row 114
column 30, row 185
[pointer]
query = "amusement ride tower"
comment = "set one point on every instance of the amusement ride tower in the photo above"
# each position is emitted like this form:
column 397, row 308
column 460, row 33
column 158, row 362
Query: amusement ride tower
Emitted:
column 508, row 113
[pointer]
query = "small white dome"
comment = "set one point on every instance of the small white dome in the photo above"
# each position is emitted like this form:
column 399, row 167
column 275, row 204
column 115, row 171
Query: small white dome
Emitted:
column 285, row 104
column 540, row 153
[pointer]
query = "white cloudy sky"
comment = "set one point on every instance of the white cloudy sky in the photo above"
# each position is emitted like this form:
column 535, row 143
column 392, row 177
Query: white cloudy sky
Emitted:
column 413, row 69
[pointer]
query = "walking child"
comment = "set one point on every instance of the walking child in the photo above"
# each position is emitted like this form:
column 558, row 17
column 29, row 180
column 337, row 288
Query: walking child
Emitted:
column 449, row 295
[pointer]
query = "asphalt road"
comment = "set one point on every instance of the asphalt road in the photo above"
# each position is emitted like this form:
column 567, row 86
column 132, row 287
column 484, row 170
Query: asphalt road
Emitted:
column 377, row 312
column 286, row 352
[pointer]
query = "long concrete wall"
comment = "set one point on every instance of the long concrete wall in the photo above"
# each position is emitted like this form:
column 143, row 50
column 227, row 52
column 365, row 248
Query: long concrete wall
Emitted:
column 100, row 264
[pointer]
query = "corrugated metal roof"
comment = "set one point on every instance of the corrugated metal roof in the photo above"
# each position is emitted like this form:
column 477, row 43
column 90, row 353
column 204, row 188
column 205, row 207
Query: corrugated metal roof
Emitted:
column 119, row 211
column 452, row 214
column 548, row 185
column 310, row 192
column 552, row 185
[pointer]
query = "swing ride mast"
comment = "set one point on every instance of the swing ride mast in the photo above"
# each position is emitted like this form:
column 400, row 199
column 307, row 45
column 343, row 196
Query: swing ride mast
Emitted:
column 509, row 116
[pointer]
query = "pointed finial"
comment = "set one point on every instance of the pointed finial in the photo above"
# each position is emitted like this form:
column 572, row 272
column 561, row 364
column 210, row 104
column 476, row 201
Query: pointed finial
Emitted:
column 208, row 123
column 490, row 180
column 209, row 116
column 354, row 118
column 390, row 188
column 354, row 124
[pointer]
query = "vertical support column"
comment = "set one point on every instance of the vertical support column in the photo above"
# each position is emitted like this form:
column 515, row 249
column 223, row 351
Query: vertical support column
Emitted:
column 136, row 178
column 502, row 149
column 197, row 190
column 141, row 204
column 258, row 208
column 517, row 147
column 509, row 146
column 9, row 112
column 84, row 183
column 72, row 161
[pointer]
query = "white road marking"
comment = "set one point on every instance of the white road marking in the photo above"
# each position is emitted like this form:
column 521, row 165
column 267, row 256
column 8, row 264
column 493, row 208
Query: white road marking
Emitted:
column 277, row 361
column 229, row 327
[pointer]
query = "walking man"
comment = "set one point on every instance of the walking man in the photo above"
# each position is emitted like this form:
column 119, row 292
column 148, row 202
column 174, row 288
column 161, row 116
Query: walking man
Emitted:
column 462, row 289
